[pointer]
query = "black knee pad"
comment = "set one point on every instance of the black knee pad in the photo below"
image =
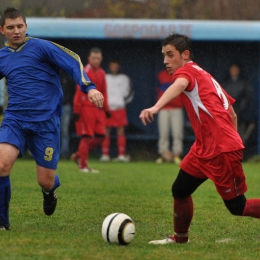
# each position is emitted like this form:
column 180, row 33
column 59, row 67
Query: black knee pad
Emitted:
column 185, row 184
column 236, row 206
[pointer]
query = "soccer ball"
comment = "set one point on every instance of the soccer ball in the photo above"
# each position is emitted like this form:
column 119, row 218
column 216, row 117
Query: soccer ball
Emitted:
column 118, row 228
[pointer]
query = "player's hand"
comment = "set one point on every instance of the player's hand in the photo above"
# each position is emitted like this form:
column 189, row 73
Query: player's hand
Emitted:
column 96, row 97
column 147, row 115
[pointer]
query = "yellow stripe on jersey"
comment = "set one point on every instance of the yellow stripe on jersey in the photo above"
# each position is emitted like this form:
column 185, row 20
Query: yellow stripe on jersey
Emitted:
column 77, row 58
column 18, row 49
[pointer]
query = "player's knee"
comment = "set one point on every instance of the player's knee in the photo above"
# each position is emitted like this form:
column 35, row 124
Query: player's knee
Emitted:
column 46, row 184
column 46, row 181
column 236, row 206
column 179, row 192
column 5, row 168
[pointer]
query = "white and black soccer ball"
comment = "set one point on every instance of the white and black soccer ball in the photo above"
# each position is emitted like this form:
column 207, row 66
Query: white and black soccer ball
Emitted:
column 118, row 228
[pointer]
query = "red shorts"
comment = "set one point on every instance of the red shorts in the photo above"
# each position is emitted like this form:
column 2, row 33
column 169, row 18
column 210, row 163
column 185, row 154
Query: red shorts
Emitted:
column 225, row 170
column 91, row 122
column 118, row 118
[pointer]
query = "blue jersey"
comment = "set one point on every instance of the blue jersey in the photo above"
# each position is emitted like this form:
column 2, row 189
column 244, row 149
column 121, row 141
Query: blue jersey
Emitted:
column 32, row 77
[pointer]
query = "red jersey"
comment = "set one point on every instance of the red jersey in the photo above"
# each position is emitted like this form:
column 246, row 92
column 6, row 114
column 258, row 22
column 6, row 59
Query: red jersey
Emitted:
column 98, row 77
column 208, row 109
column 164, row 81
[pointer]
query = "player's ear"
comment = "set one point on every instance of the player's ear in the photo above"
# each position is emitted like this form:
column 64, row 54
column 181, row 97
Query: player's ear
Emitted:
column 1, row 30
column 186, row 55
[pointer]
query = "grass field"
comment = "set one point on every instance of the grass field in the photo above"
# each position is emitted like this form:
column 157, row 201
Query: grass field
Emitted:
column 139, row 189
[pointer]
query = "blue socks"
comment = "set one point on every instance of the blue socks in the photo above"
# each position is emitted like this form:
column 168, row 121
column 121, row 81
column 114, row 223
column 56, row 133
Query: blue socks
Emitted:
column 5, row 196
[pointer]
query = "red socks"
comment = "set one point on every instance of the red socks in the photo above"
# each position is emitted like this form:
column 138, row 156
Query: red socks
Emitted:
column 252, row 208
column 85, row 146
column 83, row 151
column 95, row 142
column 183, row 213
column 106, row 145
column 121, row 144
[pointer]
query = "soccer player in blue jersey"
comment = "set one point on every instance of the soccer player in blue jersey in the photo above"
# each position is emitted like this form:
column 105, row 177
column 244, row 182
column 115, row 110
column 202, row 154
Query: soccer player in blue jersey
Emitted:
column 32, row 117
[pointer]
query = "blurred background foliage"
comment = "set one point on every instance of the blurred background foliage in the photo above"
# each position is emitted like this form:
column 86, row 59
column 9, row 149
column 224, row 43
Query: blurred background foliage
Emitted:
column 149, row 9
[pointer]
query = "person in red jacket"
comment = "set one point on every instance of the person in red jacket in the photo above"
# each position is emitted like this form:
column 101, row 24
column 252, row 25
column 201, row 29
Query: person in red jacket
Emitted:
column 90, row 120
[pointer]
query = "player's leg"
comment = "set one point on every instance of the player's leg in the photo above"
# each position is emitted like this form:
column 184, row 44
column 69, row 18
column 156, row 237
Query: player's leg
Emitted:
column 119, row 121
column 252, row 208
column 43, row 141
column 86, row 129
column 228, row 176
column 12, row 143
column 83, row 151
column 182, row 188
column 8, row 155
column 240, row 206
column 97, row 140
column 98, row 128
column 49, row 182
column 80, row 130
column 235, row 199
column 106, row 146
column 106, row 143
column 121, row 140
column 121, row 145
column 85, row 146
column 164, row 131
column 236, row 205
column 177, row 128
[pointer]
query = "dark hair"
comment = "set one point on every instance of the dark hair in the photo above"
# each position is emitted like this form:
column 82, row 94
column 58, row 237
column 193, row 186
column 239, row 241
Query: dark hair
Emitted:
column 95, row 50
column 114, row 60
column 11, row 13
column 180, row 42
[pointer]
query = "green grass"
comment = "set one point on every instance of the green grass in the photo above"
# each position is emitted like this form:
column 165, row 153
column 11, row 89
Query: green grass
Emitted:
column 140, row 189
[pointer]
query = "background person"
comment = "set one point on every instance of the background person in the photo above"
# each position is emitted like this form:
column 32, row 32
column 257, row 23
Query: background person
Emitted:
column 170, row 123
column 32, row 117
column 239, row 88
column 218, row 149
column 68, row 87
column 119, row 93
column 90, row 120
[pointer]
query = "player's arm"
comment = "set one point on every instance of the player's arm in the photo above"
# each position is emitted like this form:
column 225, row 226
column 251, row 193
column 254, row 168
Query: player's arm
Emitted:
column 233, row 116
column 70, row 62
column 173, row 91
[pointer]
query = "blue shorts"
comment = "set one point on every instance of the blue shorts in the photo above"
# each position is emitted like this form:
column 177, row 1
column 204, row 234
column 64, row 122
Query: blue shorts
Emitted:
column 41, row 138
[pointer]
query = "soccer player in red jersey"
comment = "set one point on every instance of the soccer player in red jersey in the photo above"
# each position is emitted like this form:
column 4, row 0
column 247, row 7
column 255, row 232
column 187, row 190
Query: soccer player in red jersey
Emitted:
column 218, row 149
column 90, row 120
